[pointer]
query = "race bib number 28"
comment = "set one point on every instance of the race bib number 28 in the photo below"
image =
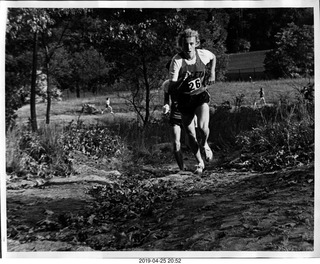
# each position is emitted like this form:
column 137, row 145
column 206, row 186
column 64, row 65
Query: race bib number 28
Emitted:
column 194, row 84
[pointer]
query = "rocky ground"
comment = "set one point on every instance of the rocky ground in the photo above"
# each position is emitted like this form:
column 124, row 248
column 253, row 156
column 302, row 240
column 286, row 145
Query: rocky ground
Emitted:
column 221, row 210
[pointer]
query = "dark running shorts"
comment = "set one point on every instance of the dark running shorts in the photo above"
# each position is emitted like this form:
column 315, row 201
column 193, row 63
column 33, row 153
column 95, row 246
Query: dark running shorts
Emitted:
column 175, row 115
column 187, row 104
column 173, row 120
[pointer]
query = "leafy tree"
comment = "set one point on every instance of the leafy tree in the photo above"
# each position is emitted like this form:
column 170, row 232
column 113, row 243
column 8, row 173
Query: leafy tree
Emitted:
column 85, row 67
column 45, row 29
column 33, row 21
column 61, row 67
column 259, row 26
column 52, row 40
column 89, row 65
column 294, row 52
column 135, row 42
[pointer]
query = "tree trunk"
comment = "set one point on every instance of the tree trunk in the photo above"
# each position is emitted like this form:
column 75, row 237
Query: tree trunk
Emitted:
column 48, row 86
column 33, row 115
column 48, row 95
column 145, row 76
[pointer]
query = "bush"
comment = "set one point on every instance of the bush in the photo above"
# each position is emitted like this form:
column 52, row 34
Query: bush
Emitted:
column 294, row 52
column 269, row 137
column 278, row 145
column 96, row 141
column 39, row 153
column 285, row 138
column 47, row 152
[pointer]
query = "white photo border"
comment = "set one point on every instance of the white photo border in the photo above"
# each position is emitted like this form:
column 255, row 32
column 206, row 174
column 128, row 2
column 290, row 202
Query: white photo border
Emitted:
column 192, row 256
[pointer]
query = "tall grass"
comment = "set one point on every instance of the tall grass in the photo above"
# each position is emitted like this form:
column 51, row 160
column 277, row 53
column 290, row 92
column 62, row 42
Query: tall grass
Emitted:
column 143, row 140
column 13, row 153
column 40, row 153
column 228, row 126
column 283, row 136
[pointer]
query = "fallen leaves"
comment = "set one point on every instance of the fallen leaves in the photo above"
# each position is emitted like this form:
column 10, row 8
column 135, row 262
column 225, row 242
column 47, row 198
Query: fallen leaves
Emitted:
column 224, row 210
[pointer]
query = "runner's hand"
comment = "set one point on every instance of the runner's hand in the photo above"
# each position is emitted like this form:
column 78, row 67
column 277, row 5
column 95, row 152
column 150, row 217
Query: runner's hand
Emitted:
column 187, row 74
column 165, row 109
column 211, row 80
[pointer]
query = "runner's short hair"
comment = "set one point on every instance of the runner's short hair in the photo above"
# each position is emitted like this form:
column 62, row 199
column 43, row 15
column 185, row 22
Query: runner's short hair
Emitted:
column 188, row 33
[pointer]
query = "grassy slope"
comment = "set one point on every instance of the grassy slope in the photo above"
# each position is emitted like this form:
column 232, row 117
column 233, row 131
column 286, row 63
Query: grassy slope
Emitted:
column 220, row 92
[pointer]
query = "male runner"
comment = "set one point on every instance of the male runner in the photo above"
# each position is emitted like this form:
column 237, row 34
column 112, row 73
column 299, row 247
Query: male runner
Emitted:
column 188, row 82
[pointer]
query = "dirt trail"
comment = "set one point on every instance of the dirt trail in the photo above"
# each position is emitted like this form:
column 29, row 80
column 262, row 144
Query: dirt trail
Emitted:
column 243, row 211
column 221, row 210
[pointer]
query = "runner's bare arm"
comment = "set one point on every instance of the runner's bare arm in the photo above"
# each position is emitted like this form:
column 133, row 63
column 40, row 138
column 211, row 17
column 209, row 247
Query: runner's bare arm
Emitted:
column 212, row 77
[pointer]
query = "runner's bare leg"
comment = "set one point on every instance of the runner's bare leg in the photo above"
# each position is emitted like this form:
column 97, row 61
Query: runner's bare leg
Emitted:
column 177, row 146
column 189, row 126
column 203, row 116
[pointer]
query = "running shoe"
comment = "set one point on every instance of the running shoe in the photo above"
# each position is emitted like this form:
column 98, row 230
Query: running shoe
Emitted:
column 199, row 169
column 208, row 153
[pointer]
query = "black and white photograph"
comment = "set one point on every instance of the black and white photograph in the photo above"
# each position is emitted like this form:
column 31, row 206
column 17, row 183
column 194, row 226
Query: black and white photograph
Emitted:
column 159, row 131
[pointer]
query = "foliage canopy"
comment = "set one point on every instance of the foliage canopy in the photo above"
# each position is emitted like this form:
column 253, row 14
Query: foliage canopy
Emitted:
column 91, row 49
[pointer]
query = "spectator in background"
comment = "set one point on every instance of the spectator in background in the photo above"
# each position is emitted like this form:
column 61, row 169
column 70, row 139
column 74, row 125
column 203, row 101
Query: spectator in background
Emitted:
column 261, row 94
column 108, row 106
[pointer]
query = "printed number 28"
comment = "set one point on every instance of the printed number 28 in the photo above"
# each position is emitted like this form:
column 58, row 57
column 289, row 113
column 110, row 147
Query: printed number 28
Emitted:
column 195, row 84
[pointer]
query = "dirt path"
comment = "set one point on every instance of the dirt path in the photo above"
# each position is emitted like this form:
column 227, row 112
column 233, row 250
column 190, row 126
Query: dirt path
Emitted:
column 221, row 210
column 243, row 211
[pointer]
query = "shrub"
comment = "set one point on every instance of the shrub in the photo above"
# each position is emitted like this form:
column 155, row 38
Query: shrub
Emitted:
column 96, row 141
column 294, row 52
column 39, row 153
column 287, row 142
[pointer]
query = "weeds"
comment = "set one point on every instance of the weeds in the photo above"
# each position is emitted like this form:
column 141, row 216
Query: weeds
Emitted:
column 95, row 141
column 284, row 126
column 276, row 146
column 283, row 138
column 40, row 154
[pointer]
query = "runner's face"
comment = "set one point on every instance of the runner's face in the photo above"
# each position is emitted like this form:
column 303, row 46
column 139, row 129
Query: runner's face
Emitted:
column 189, row 47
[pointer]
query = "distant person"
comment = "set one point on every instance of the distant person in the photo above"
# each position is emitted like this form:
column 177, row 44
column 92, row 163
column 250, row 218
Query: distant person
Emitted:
column 108, row 106
column 187, row 80
column 261, row 94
